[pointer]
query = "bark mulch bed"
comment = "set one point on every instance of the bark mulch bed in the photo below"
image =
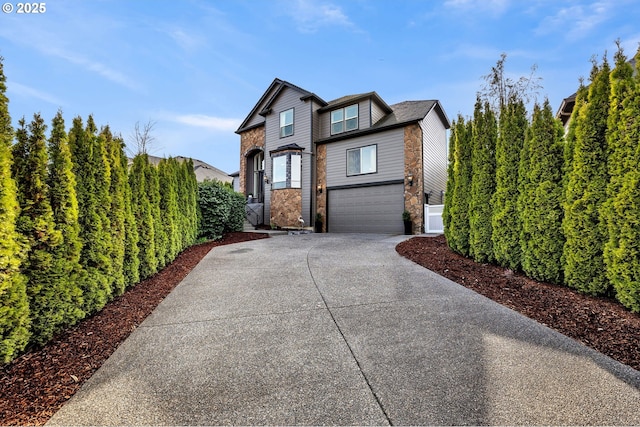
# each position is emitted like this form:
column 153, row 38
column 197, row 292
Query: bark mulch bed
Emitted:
column 600, row 323
column 34, row 386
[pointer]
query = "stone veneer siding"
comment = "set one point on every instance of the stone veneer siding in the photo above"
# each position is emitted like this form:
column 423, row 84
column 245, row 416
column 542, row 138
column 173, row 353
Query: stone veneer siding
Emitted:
column 286, row 207
column 321, row 180
column 250, row 140
column 413, row 194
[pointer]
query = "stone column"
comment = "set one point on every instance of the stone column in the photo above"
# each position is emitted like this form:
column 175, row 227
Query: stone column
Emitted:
column 413, row 192
column 321, row 180
column 250, row 140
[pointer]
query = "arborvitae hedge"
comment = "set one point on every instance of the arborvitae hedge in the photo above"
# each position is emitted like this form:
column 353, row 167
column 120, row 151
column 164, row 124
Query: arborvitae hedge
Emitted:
column 458, row 230
column 131, row 262
column 584, row 232
column 69, row 235
column 87, row 153
column 14, row 304
column 540, row 201
column 505, row 220
column 451, row 183
column 483, row 182
column 64, row 204
column 168, row 178
column 143, row 214
column 48, row 300
column 117, row 196
column 622, row 209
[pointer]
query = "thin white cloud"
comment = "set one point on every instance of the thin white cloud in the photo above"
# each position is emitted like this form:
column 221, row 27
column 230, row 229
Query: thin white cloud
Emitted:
column 96, row 67
column 208, row 122
column 51, row 43
column 575, row 21
column 27, row 91
column 310, row 16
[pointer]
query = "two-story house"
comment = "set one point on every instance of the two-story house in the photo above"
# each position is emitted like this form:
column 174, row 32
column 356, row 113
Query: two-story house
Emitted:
column 356, row 160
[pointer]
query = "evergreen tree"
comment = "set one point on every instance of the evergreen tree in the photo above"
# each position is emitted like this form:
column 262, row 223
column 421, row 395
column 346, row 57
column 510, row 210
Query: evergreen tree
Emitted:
column 189, row 203
column 505, row 220
column 64, row 204
column 143, row 216
column 540, row 200
column 160, row 235
column 92, row 192
column 131, row 263
column 14, row 303
column 570, row 138
column 483, row 182
column 451, row 177
column 621, row 210
column 458, row 233
column 116, row 214
column 167, row 173
column 586, row 191
column 48, row 298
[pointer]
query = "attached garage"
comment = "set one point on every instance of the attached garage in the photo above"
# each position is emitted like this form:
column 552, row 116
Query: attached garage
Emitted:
column 367, row 209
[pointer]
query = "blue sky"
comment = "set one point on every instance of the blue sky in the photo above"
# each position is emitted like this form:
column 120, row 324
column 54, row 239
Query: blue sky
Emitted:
column 197, row 68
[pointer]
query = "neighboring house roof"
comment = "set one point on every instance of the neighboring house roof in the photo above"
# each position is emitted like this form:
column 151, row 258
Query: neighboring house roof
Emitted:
column 202, row 170
column 401, row 114
column 263, row 106
column 566, row 108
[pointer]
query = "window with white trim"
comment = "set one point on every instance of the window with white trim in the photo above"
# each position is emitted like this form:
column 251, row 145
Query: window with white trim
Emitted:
column 344, row 119
column 287, row 171
column 286, row 123
column 362, row 160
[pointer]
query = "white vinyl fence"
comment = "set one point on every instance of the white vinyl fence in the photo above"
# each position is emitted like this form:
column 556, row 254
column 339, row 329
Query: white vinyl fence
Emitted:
column 433, row 219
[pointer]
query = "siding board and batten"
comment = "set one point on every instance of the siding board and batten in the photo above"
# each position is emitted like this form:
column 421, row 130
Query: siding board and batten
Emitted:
column 434, row 156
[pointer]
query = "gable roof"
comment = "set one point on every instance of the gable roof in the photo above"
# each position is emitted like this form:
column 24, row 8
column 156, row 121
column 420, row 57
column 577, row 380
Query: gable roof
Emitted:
column 350, row 99
column 263, row 106
column 402, row 114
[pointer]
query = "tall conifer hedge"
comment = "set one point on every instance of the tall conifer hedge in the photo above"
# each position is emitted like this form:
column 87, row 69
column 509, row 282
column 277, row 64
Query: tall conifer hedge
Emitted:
column 14, row 304
column 584, row 231
column 505, row 220
column 541, row 197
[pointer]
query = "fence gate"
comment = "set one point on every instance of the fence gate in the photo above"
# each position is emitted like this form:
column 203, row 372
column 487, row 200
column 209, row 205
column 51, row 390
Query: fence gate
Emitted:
column 433, row 219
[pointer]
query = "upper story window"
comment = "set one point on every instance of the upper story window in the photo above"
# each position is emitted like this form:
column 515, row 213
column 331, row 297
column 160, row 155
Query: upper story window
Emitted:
column 362, row 160
column 344, row 119
column 286, row 123
column 287, row 171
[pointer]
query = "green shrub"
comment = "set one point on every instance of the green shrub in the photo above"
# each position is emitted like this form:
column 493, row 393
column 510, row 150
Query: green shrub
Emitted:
column 221, row 208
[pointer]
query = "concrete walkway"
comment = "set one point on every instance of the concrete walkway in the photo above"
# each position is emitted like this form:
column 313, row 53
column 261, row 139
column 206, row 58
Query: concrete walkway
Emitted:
column 339, row 329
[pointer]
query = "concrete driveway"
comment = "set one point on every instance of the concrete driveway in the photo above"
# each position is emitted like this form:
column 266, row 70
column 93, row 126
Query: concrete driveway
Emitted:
column 339, row 329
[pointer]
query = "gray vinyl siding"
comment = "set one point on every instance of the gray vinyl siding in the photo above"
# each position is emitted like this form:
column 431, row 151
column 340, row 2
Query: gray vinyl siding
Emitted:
column 390, row 157
column 364, row 118
column 434, row 156
column 257, row 118
column 376, row 113
column 290, row 98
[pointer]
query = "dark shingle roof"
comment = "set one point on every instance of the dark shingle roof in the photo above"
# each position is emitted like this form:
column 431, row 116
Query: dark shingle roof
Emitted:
column 407, row 111
column 350, row 99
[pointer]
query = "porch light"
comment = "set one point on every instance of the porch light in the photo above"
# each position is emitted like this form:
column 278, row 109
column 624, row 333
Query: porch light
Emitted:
column 266, row 179
column 410, row 180
column 320, row 188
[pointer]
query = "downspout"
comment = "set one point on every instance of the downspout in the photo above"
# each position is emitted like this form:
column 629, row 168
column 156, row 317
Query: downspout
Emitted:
column 313, row 164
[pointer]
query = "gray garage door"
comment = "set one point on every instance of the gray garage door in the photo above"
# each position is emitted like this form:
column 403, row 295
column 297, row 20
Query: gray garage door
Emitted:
column 366, row 209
